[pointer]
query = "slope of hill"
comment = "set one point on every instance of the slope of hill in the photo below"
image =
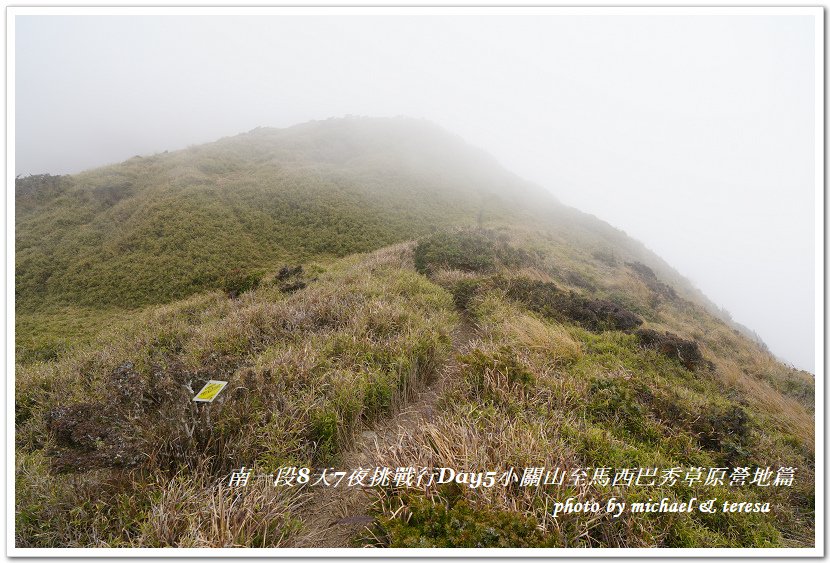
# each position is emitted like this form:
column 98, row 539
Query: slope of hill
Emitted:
column 158, row 228
column 151, row 230
column 93, row 246
column 582, row 350
column 112, row 451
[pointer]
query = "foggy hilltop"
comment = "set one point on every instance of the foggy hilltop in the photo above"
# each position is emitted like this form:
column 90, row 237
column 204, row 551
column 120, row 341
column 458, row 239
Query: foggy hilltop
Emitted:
column 163, row 226
column 333, row 273
column 717, row 146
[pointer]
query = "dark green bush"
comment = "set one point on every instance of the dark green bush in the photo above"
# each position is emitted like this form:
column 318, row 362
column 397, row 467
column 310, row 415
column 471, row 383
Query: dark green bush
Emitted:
column 469, row 251
column 479, row 250
column 461, row 525
column 236, row 282
column 671, row 345
column 547, row 299
column 463, row 291
column 727, row 430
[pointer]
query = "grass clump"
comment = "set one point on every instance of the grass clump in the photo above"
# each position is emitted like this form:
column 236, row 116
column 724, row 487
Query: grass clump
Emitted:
column 463, row 291
column 467, row 250
column 546, row 298
column 495, row 375
column 427, row 523
column 237, row 282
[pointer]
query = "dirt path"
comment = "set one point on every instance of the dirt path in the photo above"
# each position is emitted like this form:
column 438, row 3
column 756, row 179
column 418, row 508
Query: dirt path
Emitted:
column 334, row 515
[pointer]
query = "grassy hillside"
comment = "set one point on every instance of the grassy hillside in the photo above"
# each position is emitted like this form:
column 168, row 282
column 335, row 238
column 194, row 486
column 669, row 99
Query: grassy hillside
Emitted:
column 94, row 247
column 546, row 386
column 112, row 451
column 154, row 229
column 377, row 293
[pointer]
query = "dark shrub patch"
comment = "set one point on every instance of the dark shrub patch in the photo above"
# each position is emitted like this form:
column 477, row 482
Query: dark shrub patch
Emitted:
column 580, row 280
column 289, row 272
column 470, row 251
column 510, row 256
column 649, row 278
column 545, row 298
column 292, row 287
column 290, row 279
column 236, row 282
column 541, row 297
column 643, row 271
column 460, row 525
column 671, row 345
column 87, row 437
column 726, row 430
column 78, row 426
column 466, row 251
column 125, row 383
column 600, row 314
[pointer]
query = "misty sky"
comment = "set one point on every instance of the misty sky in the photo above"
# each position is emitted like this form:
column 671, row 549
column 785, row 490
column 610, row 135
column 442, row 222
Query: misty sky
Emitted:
column 694, row 134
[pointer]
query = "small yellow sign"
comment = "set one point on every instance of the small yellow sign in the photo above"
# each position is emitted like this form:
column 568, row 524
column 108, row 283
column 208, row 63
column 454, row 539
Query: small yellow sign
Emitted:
column 209, row 392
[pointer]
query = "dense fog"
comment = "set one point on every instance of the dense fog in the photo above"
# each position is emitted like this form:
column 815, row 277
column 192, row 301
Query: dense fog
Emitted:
column 694, row 134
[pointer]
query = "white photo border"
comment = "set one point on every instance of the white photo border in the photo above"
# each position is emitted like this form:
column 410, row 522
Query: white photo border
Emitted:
column 817, row 551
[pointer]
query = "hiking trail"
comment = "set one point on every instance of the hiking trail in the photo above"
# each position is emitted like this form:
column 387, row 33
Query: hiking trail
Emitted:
column 333, row 515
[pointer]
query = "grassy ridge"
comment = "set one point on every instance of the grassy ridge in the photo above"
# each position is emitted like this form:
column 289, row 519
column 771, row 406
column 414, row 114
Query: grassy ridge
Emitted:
column 111, row 451
column 157, row 229
column 138, row 282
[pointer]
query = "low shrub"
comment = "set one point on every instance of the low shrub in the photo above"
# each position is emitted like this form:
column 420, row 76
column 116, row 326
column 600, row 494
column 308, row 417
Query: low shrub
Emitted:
column 547, row 299
column 671, row 345
column 236, row 282
column 477, row 250
column 727, row 430
column 458, row 524
column 463, row 291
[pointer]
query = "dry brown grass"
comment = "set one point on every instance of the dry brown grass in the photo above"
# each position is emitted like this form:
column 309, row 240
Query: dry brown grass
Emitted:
column 191, row 513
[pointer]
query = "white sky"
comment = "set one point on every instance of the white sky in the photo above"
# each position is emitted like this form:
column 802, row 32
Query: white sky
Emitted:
column 694, row 134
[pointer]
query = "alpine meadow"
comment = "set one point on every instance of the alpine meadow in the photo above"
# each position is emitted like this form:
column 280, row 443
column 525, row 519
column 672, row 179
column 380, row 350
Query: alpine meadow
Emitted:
column 377, row 293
